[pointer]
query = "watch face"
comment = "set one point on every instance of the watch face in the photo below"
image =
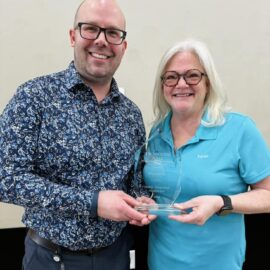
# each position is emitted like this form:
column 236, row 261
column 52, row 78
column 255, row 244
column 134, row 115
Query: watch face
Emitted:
column 226, row 207
column 224, row 212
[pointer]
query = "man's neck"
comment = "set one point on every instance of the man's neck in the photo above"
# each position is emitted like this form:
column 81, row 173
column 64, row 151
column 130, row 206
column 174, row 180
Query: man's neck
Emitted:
column 101, row 91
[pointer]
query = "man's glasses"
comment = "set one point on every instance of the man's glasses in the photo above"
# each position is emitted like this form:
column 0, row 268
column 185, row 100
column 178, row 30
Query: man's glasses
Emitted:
column 92, row 32
column 191, row 77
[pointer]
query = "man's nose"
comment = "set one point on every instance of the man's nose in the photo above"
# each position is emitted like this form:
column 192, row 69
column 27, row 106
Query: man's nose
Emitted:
column 101, row 38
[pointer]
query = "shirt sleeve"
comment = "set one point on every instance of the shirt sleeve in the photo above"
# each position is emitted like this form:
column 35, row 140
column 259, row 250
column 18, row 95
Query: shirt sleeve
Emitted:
column 20, row 183
column 254, row 154
column 137, row 186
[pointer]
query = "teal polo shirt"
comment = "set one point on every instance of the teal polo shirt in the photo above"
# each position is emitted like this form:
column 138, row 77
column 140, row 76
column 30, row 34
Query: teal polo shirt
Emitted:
column 223, row 159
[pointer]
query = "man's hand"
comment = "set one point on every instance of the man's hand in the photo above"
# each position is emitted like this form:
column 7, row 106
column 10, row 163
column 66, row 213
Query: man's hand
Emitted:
column 118, row 206
column 149, row 218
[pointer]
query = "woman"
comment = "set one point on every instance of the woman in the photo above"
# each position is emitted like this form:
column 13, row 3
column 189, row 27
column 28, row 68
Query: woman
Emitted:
column 219, row 158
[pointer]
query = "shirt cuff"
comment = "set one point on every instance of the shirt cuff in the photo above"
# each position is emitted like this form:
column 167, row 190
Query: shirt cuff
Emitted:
column 93, row 211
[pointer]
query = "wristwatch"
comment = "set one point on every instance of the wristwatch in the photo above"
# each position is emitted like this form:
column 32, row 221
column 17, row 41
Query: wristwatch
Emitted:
column 227, row 206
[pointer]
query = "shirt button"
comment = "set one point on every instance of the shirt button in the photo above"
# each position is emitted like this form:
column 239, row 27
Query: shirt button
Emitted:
column 56, row 258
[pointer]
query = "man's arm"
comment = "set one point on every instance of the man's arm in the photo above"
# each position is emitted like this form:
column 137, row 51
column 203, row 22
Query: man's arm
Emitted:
column 20, row 183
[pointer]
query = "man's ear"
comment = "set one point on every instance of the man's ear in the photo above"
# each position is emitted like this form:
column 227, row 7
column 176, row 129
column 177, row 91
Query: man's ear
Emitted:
column 72, row 37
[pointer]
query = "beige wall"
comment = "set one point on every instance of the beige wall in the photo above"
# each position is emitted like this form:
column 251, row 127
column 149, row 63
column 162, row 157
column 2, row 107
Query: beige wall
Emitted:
column 34, row 41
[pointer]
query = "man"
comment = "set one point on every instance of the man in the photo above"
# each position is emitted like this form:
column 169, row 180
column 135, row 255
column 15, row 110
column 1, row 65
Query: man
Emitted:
column 67, row 142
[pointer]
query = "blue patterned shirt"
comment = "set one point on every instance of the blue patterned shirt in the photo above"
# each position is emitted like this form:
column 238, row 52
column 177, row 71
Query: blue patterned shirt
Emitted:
column 59, row 147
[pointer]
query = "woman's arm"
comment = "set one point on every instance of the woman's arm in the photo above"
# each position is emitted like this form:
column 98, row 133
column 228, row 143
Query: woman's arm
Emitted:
column 257, row 200
column 200, row 209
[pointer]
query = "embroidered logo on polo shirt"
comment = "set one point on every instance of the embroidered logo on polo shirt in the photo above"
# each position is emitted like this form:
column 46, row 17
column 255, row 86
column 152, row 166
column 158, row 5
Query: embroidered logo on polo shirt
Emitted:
column 202, row 156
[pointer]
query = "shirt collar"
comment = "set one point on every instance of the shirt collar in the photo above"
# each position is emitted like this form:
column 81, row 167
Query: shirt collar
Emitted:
column 73, row 80
column 202, row 133
column 72, row 77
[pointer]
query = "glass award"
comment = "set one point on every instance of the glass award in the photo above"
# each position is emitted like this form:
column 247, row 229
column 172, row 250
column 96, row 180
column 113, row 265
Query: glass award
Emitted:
column 162, row 178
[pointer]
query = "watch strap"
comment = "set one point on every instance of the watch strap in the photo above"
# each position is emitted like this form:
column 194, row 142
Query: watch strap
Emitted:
column 227, row 205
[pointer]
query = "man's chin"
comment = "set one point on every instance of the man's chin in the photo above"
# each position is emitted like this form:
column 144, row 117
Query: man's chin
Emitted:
column 97, row 78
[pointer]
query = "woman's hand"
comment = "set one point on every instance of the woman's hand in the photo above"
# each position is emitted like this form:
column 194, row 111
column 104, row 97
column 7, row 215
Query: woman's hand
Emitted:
column 198, row 210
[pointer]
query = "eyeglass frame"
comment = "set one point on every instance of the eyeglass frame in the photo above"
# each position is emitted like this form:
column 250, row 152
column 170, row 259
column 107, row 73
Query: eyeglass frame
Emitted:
column 101, row 29
column 182, row 75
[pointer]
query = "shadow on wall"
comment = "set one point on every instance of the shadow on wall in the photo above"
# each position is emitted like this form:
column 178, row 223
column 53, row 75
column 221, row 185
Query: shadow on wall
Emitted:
column 12, row 248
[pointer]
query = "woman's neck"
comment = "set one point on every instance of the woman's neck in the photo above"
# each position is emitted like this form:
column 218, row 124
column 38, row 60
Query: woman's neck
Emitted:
column 183, row 129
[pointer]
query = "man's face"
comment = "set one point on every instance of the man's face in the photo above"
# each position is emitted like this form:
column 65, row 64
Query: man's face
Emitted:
column 97, row 60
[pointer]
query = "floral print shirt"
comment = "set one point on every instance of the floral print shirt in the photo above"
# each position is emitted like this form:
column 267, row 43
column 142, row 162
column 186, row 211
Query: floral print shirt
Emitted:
column 59, row 147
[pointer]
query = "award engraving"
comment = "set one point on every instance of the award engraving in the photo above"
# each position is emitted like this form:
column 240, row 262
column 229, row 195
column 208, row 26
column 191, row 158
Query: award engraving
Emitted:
column 162, row 176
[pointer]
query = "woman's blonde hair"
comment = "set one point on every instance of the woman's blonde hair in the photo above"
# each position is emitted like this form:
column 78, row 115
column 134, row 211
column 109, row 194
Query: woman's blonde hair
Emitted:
column 216, row 99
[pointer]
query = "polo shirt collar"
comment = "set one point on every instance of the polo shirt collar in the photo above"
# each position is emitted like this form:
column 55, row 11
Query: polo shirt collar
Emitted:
column 202, row 133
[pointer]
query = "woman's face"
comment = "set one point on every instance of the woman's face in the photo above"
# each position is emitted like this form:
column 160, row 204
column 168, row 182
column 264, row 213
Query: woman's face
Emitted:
column 186, row 99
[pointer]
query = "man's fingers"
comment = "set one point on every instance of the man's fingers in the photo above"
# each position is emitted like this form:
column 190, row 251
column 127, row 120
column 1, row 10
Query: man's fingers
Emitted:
column 130, row 200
